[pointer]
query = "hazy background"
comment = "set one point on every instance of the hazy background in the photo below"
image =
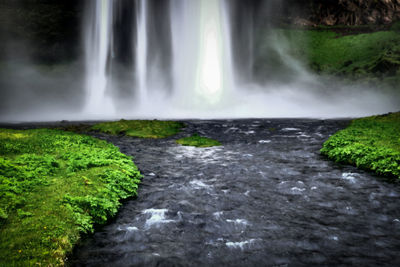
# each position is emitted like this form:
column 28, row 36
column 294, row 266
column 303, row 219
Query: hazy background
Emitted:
column 42, row 68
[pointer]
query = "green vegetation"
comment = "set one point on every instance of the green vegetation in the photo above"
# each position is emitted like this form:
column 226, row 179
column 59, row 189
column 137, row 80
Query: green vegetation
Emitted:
column 55, row 185
column 396, row 26
column 371, row 143
column 359, row 54
column 141, row 128
column 198, row 141
column 371, row 57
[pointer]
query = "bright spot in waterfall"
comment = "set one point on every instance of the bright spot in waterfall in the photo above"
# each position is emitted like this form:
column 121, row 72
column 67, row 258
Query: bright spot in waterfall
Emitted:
column 209, row 80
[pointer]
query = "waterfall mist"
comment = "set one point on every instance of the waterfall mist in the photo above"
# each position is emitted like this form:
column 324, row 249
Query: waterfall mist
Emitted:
column 185, row 59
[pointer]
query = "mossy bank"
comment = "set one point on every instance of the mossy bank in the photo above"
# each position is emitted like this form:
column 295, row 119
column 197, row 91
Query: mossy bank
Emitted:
column 140, row 128
column 371, row 143
column 153, row 129
column 54, row 186
column 198, row 141
column 368, row 56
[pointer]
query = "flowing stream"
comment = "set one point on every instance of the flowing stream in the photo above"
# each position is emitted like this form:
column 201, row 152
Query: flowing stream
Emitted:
column 264, row 198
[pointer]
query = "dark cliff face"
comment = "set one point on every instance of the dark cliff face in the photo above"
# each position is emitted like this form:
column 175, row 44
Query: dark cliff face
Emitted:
column 46, row 31
column 50, row 31
column 326, row 12
column 354, row 12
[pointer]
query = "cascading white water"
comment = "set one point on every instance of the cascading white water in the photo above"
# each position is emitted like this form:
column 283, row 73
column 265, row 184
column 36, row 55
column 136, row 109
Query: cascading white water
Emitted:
column 202, row 53
column 183, row 65
column 141, row 51
column 97, row 49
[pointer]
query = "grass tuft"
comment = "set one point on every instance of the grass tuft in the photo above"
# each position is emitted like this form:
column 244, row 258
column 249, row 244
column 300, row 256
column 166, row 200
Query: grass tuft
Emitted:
column 55, row 185
column 141, row 128
column 371, row 143
column 198, row 141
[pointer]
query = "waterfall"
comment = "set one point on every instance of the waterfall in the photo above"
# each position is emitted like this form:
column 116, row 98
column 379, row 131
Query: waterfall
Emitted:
column 196, row 36
column 141, row 50
column 202, row 67
column 201, row 59
column 98, row 48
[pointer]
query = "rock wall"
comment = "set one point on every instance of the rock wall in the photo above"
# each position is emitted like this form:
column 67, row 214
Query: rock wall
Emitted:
column 353, row 12
column 42, row 30
column 51, row 30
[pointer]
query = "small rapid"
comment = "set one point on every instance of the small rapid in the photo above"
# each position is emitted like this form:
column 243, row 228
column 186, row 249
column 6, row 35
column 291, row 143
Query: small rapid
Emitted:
column 266, row 197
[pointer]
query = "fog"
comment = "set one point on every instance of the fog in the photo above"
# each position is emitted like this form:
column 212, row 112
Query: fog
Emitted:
column 191, row 61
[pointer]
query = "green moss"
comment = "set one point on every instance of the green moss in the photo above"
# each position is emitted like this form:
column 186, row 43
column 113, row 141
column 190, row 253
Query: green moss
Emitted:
column 198, row 141
column 396, row 26
column 141, row 128
column 55, row 185
column 371, row 143
column 356, row 55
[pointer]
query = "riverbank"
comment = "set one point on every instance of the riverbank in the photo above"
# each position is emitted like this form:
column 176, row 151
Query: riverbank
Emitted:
column 263, row 166
column 371, row 143
column 56, row 185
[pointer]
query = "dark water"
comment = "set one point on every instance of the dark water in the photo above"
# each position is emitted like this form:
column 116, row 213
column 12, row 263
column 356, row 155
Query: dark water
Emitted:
column 266, row 197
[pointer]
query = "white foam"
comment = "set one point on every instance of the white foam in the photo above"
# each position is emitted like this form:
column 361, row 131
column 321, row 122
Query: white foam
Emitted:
column 264, row 141
column 241, row 245
column 157, row 217
column 290, row 129
column 297, row 189
column 217, row 215
column 197, row 184
column 238, row 221
column 128, row 228
column 335, row 238
column 349, row 176
column 304, row 135
column 202, row 155
column 226, row 191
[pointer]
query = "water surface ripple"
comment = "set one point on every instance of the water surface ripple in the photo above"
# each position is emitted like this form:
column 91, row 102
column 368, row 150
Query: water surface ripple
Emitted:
column 266, row 197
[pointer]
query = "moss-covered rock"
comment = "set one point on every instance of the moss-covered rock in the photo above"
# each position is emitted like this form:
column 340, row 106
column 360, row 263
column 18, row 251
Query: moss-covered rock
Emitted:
column 44, row 30
column 140, row 128
column 371, row 143
column 198, row 141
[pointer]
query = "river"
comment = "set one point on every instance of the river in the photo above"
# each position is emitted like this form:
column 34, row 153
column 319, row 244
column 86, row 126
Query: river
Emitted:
column 266, row 197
